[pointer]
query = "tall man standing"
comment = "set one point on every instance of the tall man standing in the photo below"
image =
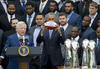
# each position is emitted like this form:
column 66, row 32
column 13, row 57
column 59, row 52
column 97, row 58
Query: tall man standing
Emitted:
column 51, row 57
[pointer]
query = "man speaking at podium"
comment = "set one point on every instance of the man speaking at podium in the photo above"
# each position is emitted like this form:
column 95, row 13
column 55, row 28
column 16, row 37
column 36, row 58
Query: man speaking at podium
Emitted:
column 16, row 40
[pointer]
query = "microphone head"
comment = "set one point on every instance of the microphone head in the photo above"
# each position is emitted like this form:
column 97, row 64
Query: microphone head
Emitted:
column 26, row 40
column 20, row 39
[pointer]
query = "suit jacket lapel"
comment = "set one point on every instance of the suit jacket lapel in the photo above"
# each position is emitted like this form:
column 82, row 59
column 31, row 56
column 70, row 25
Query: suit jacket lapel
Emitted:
column 17, row 41
column 47, row 34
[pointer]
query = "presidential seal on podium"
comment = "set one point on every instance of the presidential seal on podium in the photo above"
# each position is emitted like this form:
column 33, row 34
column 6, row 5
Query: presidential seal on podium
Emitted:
column 23, row 50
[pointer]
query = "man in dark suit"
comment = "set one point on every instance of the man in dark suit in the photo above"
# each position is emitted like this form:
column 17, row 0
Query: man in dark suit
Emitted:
column 30, row 15
column 5, row 36
column 61, row 5
column 20, row 7
column 6, row 18
column 86, row 30
column 83, row 8
column 97, row 50
column 51, row 57
column 3, row 6
column 53, row 7
column 42, row 6
column 93, row 8
column 13, row 23
column 75, row 36
column 73, row 18
column 14, row 41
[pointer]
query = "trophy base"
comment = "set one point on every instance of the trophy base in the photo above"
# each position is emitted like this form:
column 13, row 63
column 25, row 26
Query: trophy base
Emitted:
column 92, row 68
column 84, row 67
column 67, row 67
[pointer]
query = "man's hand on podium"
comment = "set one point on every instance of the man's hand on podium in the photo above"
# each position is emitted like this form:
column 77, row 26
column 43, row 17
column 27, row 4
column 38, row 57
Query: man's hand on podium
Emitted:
column 1, row 60
column 35, row 57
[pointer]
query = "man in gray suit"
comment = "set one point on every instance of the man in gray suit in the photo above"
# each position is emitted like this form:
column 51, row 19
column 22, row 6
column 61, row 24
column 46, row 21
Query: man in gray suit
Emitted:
column 64, row 24
column 34, row 31
column 67, row 30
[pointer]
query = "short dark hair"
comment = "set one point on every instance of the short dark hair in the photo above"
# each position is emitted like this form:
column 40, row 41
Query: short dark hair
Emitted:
column 53, row 2
column 63, row 14
column 13, row 19
column 72, row 3
column 76, row 27
column 10, row 3
column 41, row 14
column 97, row 28
column 30, row 3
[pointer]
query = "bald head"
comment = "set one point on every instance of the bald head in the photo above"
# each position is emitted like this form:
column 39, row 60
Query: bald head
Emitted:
column 75, row 32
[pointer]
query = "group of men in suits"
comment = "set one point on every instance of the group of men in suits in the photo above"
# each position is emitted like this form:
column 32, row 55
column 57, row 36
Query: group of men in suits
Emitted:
column 51, row 49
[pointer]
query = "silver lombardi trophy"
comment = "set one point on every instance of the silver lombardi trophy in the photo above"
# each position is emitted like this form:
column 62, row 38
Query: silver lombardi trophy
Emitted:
column 75, row 61
column 85, row 54
column 92, row 62
column 67, row 62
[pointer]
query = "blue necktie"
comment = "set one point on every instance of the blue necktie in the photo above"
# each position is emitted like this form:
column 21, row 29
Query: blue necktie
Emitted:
column 23, row 5
column 50, row 33
column 29, row 22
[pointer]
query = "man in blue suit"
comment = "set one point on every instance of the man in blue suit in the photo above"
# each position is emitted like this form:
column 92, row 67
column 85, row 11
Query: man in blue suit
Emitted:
column 73, row 18
column 15, row 41
column 97, row 50
column 86, row 30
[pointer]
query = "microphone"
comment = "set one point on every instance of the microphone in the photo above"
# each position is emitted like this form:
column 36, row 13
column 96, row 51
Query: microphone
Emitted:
column 24, row 40
column 21, row 39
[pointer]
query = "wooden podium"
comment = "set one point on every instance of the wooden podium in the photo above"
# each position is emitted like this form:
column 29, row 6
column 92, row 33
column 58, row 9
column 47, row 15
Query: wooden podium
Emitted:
column 23, row 60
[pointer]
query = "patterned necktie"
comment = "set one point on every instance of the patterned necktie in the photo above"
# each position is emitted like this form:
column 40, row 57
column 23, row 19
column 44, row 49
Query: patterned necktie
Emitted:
column 23, row 5
column 29, row 22
column 10, row 18
column 41, row 7
column 5, row 3
column 84, row 7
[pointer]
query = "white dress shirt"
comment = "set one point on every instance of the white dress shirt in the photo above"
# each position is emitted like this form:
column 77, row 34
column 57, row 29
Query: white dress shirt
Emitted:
column 76, row 39
column 35, row 35
column 92, row 19
column 13, row 16
column 61, row 4
column 4, row 5
column 32, row 18
column 42, row 5
column 65, row 26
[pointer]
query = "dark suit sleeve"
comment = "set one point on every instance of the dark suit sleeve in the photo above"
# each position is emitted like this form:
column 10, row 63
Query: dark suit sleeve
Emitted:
column 30, row 41
column 7, row 44
column 39, row 38
column 79, row 22
column 61, row 38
